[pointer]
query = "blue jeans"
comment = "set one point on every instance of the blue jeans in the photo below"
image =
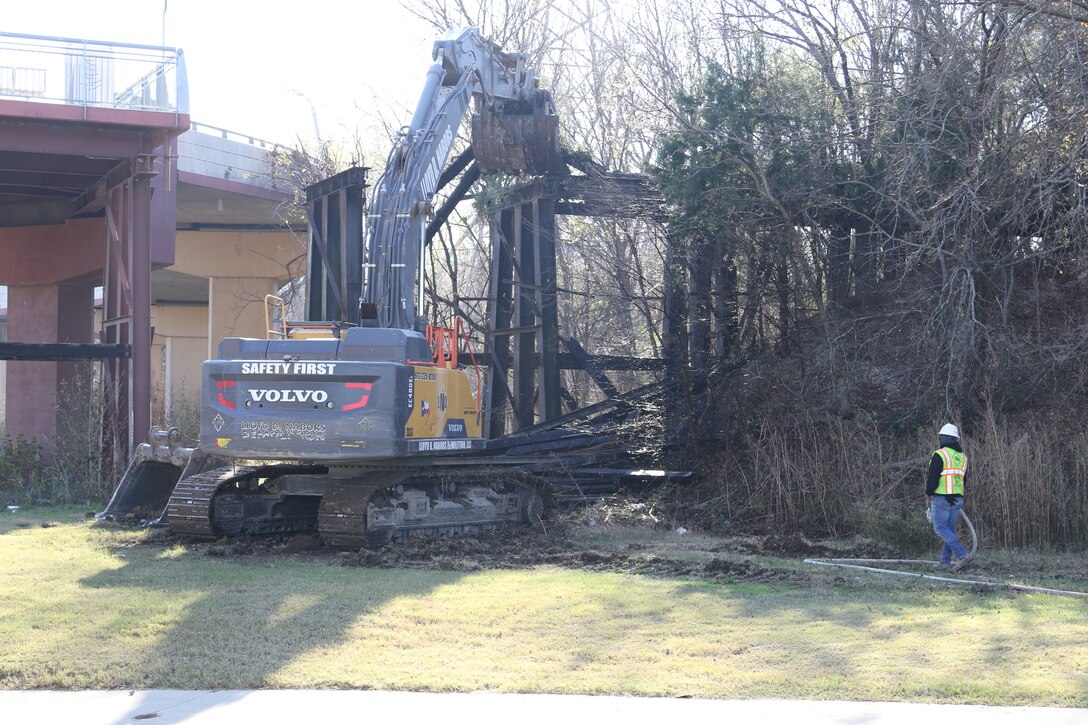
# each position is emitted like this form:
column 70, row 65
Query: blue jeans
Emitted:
column 945, row 516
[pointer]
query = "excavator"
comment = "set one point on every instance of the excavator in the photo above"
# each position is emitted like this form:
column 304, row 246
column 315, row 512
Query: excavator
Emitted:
column 369, row 432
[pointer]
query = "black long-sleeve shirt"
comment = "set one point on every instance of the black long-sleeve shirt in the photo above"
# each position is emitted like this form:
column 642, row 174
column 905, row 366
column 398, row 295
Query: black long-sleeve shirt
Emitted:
column 936, row 465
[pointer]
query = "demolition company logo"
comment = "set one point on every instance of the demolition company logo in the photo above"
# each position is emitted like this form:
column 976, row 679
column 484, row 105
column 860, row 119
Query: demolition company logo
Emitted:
column 288, row 396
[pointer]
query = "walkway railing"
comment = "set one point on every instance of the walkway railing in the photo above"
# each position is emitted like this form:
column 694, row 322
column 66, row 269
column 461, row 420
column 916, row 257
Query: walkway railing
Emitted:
column 69, row 71
column 232, row 135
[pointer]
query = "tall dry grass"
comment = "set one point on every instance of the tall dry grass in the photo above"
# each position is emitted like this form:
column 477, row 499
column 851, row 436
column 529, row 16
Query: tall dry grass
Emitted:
column 814, row 476
column 1027, row 480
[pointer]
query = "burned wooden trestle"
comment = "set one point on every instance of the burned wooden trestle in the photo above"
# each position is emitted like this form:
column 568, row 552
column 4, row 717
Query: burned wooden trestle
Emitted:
column 524, row 352
column 523, row 328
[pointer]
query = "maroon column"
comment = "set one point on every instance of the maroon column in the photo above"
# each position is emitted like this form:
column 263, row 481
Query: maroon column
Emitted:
column 46, row 313
column 75, row 323
column 141, row 300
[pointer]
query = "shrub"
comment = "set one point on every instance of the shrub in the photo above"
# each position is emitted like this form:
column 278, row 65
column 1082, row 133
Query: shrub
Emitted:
column 901, row 525
column 21, row 470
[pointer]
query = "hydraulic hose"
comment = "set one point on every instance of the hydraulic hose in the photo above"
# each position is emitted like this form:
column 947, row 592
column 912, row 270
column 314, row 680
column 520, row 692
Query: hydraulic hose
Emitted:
column 859, row 564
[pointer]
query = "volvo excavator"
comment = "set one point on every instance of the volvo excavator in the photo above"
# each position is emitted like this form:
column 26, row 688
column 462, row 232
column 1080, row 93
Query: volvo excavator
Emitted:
column 365, row 432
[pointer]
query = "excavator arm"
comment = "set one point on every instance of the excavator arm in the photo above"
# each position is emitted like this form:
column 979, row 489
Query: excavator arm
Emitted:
column 517, row 128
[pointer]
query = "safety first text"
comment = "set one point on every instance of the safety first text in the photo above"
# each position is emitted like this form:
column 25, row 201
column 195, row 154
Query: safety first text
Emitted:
column 287, row 368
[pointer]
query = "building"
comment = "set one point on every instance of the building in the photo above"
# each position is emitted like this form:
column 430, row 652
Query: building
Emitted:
column 111, row 199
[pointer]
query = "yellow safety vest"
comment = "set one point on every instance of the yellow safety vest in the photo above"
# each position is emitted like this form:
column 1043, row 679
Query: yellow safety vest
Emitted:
column 955, row 466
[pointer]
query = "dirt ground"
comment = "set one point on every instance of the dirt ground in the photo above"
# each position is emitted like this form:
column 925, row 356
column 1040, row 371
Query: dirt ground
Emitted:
column 522, row 548
column 570, row 542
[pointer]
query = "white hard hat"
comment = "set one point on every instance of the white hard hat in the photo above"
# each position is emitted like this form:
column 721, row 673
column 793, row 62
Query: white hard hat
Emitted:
column 950, row 431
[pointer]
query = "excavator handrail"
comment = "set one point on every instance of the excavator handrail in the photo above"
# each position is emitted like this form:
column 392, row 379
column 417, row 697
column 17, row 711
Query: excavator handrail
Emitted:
column 268, row 319
column 443, row 345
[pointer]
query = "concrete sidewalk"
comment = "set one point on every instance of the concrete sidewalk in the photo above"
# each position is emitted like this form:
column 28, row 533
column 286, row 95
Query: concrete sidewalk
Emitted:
column 310, row 707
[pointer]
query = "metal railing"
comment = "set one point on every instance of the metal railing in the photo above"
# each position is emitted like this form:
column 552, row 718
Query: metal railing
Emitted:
column 232, row 135
column 70, row 71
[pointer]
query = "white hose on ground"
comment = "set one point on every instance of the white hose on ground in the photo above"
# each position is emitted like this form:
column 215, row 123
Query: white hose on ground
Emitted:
column 858, row 564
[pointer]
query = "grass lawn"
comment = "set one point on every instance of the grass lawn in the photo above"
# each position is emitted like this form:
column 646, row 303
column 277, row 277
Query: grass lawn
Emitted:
column 88, row 606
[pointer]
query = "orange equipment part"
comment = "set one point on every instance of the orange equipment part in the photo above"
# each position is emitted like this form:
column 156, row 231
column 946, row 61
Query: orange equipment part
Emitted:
column 444, row 348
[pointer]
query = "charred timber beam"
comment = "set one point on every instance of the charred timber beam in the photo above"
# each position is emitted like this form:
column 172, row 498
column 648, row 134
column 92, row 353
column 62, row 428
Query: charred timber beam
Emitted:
column 547, row 307
column 459, row 164
column 598, row 376
column 526, row 311
column 58, row 351
column 611, row 208
column 500, row 312
column 572, row 444
column 334, row 210
column 609, row 194
column 529, row 435
column 613, row 363
column 613, row 195
column 355, row 177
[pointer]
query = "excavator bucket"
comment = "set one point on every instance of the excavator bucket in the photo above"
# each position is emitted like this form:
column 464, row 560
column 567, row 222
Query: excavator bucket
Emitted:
column 518, row 138
column 151, row 476
column 143, row 492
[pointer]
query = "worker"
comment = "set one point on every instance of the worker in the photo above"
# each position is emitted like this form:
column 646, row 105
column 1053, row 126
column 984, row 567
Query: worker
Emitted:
column 944, row 494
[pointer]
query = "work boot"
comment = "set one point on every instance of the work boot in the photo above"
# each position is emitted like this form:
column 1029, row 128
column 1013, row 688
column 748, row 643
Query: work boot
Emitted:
column 942, row 565
column 962, row 561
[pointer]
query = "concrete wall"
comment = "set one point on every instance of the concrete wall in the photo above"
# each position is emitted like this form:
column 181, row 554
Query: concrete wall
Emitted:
column 208, row 253
column 241, row 267
column 223, row 158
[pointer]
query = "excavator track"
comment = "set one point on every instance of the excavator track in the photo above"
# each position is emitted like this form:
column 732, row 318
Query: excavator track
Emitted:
column 361, row 508
column 383, row 509
column 342, row 517
column 228, row 501
column 189, row 509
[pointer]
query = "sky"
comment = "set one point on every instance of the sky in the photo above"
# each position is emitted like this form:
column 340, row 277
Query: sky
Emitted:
column 266, row 68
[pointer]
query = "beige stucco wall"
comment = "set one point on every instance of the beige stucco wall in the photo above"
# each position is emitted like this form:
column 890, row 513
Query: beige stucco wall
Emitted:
column 241, row 267
column 237, row 308
column 179, row 348
column 237, row 254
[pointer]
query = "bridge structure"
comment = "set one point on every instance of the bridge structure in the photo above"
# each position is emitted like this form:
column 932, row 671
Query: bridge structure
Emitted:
column 106, row 184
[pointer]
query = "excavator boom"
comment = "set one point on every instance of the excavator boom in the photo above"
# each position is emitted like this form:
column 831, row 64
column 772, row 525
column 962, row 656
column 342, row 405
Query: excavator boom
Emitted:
column 466, row 65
